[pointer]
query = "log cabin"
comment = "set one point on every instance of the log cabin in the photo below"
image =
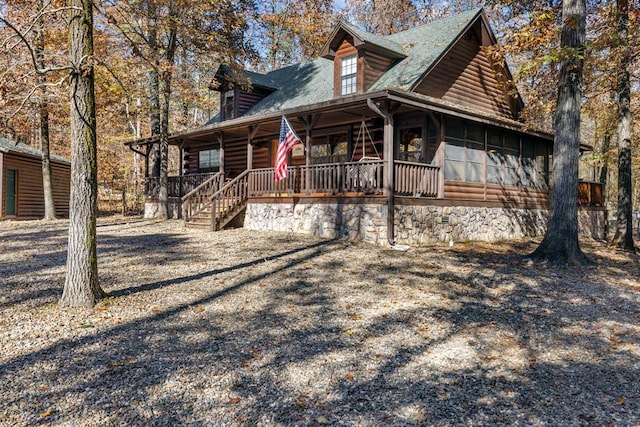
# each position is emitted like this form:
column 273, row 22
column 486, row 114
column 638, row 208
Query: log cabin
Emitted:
column 21, row 182
column 408, row 138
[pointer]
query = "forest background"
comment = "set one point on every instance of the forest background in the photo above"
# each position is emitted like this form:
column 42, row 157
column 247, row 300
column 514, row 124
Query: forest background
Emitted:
column 141, row 43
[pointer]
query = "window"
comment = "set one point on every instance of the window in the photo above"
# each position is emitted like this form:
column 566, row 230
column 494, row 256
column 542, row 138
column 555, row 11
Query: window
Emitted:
column 228, row 105
column 348, row 72
column 332, row 149
column 464, row 152
column 511, row 159
column 411, row 145
column 208, row 161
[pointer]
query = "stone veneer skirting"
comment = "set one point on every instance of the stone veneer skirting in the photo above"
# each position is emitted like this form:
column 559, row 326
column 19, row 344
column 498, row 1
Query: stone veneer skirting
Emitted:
column 174, row 208
column 414, row 225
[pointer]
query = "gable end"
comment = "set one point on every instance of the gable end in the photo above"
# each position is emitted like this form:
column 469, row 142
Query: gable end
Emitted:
column 466, row 75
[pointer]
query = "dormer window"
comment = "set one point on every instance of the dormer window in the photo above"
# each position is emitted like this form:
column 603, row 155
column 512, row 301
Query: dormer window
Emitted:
column 228, row 105
column 348, row 73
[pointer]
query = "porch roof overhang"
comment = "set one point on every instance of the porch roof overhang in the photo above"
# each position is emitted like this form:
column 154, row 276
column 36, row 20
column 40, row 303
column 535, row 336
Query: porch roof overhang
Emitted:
column 335, row 112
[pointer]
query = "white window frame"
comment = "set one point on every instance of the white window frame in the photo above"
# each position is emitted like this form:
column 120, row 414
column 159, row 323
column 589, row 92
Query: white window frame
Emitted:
column 348, row 74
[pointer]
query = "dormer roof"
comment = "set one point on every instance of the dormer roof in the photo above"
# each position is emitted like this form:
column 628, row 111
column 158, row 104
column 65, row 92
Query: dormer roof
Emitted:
column 225, row 74
column 361, row 39
column 416, row 52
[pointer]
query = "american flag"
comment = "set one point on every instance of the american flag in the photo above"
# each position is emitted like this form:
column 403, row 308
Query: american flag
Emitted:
column 288, row 139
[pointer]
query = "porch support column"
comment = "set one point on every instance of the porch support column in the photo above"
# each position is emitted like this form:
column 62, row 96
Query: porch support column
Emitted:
column 437, row 121
column 220, row 141
column 253, row 129
column 387, row 109
column 180, row 169
column 146, row 161
column 309, row 122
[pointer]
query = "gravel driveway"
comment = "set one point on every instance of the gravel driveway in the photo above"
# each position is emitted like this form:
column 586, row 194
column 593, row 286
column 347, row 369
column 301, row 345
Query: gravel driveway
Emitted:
column 247, row 328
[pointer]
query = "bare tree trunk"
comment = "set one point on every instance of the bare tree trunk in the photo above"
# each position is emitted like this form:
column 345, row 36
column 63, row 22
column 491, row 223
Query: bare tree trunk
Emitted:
column 604, row 177
column 166, row 74
column 623, row 237
column 154, row 104
column 560, row 243
column 154, row 87
column 49, row 206
column 81, row 287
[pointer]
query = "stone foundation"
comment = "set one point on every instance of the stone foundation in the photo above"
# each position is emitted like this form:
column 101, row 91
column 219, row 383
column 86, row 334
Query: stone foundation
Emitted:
column 414, row 225
column 174, row 208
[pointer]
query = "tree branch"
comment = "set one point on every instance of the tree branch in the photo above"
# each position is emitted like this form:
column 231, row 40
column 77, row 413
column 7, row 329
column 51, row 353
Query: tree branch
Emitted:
column 28, row 97
column 31, row 51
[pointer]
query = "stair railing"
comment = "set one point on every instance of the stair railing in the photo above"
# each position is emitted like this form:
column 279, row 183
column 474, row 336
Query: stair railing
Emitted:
column 227, row 202
column 200, row 197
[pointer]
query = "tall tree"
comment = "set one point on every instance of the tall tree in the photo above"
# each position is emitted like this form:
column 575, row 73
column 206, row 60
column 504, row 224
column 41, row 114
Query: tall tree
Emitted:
column 43, row 112
column 560, row 243
column 81, row 287
column 623, row 237
column 154, row 29
column 291, row 31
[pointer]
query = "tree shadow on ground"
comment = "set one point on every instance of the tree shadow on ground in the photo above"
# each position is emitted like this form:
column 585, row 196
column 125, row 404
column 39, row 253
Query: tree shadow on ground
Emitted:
column 432, row 336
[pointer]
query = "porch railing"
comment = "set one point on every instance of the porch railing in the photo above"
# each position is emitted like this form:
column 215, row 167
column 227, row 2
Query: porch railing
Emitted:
column 334, row 178
column 411, row 179
column 177, row 186
column 416, row 179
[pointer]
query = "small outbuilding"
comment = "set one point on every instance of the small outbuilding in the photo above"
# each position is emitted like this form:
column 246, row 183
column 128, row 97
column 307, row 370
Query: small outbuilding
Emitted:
column 21, row 190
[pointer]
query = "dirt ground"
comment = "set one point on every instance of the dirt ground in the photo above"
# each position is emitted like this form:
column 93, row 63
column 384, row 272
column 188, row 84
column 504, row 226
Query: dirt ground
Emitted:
column 247, row 328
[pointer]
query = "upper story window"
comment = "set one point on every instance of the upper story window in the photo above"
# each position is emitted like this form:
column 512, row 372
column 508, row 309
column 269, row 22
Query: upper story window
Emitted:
column 348, row 72
column 228, row 105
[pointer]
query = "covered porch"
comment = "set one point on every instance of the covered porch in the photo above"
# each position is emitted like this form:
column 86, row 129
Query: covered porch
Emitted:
column 389, row 147
column 349, row 178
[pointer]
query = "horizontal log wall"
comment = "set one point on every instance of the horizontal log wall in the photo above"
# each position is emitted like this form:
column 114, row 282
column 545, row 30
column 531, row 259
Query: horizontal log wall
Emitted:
column 466, row 76
column 375, row 65
column 30, row 198
column 235, row 156
column 246, row 100
column 520, row 196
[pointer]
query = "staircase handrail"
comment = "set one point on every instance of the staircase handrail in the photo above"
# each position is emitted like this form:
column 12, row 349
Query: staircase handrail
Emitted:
column 219, row 217
column 219, row 175
column 230, row 184
column 192, row 202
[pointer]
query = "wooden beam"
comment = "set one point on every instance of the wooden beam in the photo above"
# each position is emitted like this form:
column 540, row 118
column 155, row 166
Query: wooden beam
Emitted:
column 250, row 146
column 309, row 122
column 220, row 140
column 387, row 109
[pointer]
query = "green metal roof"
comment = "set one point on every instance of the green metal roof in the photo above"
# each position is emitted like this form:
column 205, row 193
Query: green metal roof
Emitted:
column 312, row 82
column 373, row 39
column 10, row 146
column 300, row 84
column 423, row 45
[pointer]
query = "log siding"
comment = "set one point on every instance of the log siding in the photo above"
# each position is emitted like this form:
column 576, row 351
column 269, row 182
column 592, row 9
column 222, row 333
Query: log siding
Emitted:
column 466, row 76
column 374, row 66
column 30, row 193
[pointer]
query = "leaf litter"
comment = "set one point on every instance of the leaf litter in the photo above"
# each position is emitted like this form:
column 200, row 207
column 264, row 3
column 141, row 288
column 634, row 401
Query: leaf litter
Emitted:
column 241, row 327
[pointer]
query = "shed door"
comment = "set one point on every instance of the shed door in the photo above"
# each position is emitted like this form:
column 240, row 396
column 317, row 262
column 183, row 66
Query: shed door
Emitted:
column 12, row 192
